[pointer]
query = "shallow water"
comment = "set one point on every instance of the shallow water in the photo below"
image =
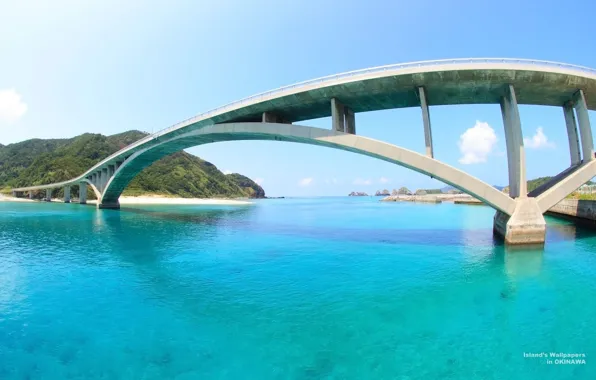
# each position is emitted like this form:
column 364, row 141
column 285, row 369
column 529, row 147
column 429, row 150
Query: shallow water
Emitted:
column 322, row 288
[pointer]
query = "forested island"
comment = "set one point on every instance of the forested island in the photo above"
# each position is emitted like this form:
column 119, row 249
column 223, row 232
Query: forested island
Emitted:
column 41, row 161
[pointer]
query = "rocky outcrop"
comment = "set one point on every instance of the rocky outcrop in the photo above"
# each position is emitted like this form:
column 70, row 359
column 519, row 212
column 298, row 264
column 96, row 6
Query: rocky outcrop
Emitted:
column 357, row 194
column 382, row 193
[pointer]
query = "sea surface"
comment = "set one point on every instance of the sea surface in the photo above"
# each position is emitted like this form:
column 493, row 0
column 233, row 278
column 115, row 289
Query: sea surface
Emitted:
column 319, row 288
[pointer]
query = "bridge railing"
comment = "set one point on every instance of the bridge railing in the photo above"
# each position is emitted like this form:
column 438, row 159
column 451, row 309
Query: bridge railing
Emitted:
column 348, row 74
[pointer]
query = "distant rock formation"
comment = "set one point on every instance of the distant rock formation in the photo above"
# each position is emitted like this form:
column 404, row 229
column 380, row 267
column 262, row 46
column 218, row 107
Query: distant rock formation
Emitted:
column 357, row 194
column 394, row 192
column 382, row 193
column 404, row 191
column 420, row 192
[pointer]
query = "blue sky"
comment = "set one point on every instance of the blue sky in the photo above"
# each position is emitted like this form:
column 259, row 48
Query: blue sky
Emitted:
column 69, row 67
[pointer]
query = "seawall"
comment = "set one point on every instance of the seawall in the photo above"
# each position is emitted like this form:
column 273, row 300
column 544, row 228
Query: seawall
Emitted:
column 576, row 210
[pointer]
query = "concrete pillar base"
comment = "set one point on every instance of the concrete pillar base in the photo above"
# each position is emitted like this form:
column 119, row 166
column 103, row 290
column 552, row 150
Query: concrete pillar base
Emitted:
column 525, row 226
column 109, row 206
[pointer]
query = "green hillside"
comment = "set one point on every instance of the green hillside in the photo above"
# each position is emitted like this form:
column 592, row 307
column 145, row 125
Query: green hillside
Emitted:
column 533, row 184
column 38, row 161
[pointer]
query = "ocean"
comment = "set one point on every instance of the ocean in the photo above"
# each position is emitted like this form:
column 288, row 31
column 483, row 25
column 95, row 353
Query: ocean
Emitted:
column 295, row 288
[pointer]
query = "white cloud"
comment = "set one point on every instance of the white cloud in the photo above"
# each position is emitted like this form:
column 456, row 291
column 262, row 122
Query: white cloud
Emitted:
column 360, row 181
column 476, row 143
column 11, row 106
column 306, row 181
column 384, row 180
column 259, row 181
column 539, row 140
column 227, row 171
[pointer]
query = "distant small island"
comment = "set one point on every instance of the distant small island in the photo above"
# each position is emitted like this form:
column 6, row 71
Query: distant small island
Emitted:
column 357, row 194
column 384, row 193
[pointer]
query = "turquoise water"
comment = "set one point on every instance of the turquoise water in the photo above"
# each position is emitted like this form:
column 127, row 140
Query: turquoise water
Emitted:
column 327, row 288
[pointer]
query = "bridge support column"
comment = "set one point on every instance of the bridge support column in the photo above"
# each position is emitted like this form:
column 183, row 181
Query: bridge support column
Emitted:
column 30, row 194
column 428, row 136
column 516, row 157
column 111, row 171
column 49, row 195
column 350, row 120
column 269, row 117
column 525, row 226
column 337, row 116
column 66, row 194
column 572, row 134
column 584, row 125
column 82, row 193
column 14, row 194
column 104, row 178
column 94, row 179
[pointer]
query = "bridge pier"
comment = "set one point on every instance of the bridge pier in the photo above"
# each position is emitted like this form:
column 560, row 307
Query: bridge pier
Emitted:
column 350, row 119
column 66, row 194
column 48, row 195
column 572, row 133
column 104, row 178
column 30, row 194
column 109, row 206
column 516, row 157
column 14, row 194
column 428, row 136
column 337, row 116
column 525, row 226
column 583, row 118
column 270, row 117
column 83, row 193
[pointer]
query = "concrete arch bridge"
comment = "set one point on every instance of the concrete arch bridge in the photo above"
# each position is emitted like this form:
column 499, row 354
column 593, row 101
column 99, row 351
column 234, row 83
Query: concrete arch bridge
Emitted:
column 275, row 115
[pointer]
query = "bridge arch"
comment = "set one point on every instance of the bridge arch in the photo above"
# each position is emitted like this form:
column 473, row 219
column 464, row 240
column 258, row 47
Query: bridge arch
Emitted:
column 308, row 135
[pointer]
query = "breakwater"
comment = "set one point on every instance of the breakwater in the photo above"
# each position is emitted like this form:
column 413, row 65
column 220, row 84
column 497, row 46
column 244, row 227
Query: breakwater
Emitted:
column 578, row 210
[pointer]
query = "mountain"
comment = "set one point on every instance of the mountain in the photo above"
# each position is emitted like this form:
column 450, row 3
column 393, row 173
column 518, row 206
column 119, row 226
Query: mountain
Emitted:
column 39, row 161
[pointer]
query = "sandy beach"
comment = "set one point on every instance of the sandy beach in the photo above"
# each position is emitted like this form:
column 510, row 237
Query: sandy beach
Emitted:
column 4, row 198
column 149, row 200
column 155, row 200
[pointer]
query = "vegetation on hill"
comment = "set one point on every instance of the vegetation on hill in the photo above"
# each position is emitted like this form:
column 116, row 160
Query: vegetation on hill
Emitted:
column 533, row 184
column 37, row 161
column 253, row 189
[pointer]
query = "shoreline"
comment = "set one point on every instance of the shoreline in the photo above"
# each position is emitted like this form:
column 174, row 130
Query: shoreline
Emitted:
column 147, row 200
column 433, row 198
